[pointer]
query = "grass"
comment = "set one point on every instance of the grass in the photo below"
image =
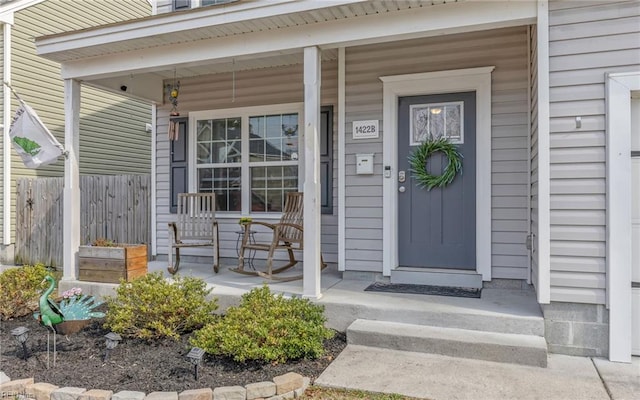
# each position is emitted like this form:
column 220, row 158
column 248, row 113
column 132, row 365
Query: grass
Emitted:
column 315, row 393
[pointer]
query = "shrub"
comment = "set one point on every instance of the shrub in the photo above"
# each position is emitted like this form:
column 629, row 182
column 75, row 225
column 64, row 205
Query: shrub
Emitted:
column 266, row 327
column 152, row 308
column 20, row 289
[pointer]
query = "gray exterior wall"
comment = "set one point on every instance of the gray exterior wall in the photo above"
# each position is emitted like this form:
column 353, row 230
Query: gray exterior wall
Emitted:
column 258, row 87
column 587, row 40
column 113, row 139
column 506, row 49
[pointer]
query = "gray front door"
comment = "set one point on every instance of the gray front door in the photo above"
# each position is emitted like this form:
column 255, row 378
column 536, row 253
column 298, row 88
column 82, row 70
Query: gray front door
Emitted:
column 437, row 228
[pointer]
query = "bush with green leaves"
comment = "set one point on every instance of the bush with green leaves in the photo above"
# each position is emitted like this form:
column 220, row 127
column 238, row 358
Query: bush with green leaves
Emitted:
column 151, row 307
column 20, row 289
column 267, row 327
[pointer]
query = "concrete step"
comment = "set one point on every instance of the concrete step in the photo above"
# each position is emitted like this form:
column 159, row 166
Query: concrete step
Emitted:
column 502, row 311
column 437, row 277
column 453, row 342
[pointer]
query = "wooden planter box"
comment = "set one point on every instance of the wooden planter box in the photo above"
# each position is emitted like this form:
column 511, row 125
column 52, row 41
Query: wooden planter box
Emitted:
column 109, row 264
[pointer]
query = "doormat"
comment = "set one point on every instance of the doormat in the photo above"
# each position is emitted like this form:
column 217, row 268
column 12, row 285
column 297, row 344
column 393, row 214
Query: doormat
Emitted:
column 424, row 289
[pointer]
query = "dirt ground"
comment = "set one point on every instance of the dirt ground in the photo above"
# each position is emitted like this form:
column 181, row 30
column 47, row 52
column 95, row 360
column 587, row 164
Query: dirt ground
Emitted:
column 133, row 364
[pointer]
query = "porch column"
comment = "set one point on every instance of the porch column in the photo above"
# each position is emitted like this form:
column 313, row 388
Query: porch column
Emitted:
column 71, row 193
column 311, row 270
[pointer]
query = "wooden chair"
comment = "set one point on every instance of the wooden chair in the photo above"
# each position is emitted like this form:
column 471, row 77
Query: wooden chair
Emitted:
column 196, row 227
column 287, row 234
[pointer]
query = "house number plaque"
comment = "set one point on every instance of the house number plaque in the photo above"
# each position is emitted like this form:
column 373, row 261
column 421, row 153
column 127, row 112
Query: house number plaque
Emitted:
column 365, row 129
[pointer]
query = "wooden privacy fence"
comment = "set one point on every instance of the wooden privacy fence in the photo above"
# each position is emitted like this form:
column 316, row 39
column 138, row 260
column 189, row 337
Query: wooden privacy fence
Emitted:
column 116, row 208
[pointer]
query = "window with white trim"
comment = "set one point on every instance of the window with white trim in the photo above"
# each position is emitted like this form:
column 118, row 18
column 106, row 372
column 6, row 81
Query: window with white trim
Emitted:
column 248, row 157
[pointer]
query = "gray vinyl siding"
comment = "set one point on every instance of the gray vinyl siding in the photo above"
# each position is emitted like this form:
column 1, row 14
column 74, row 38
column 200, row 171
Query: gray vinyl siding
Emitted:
column 506, row 49
column 268, row 86
column 113, row 138
column 533, row 76
column 586, row 40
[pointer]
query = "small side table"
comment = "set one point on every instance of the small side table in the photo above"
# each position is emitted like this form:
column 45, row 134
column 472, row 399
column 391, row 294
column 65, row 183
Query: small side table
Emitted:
column 252, row 253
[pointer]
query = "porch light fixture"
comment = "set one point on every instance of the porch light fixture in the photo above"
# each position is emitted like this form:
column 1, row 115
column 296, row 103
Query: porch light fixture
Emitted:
column 111, row 342
column 21, row 334
column 195, row 357
column 436, row 111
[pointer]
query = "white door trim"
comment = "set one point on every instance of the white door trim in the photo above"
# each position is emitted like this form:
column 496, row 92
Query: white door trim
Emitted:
column 476, row 79
column 618, row 211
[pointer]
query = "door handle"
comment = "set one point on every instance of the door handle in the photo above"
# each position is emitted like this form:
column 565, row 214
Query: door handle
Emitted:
column 401, row 189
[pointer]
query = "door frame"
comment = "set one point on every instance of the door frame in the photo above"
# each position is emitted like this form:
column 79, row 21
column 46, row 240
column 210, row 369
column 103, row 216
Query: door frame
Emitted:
column 618, row 211
column 459, row 80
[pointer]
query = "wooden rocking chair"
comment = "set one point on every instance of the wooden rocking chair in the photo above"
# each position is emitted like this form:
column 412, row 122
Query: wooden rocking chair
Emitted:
column 196, row 227
column 287, row 234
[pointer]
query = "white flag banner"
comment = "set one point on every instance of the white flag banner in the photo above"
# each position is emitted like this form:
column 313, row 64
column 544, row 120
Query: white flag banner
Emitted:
column 32, row 140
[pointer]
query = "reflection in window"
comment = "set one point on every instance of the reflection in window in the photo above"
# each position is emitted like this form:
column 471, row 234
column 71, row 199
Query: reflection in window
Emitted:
column 219, row 141
column 225, row 183
column 436, row 120
column 273, row 155
column 271, row 161
column 273, row 137
column 269, row 185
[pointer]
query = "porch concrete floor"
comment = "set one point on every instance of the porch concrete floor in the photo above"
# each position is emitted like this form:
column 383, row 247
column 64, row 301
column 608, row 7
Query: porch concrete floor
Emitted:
column 345, row 299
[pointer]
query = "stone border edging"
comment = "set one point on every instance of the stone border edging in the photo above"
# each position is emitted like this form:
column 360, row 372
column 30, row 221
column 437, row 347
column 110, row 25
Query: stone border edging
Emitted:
column 288, row 386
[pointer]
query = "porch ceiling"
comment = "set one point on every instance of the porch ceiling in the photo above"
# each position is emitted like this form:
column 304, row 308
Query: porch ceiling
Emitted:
column 135, row 57
column 220, row 21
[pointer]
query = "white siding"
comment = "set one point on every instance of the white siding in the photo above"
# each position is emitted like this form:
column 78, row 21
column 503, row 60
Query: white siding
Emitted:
column 267, row 86
column 586, row 40
column 504, row 48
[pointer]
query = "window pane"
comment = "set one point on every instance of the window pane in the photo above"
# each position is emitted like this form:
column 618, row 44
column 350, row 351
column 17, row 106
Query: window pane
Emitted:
column 256, row 127
column 225, row 183
column 290, row 148
column 436, row 120
column 277, row 180
column 290, row 177
column 258, row 179
column 233, row 128
column 273, row 150
column 234, row 151
column 290, row 125
column 204, row 153
column 274, row 126
column 256, row 150
column 220, row 179
column 219, row 141
column 258, row 200
column 452, row 116
column 204, row 131
column 280, row 133
column 219, row 150
column 205, row 180
column 274, row 200
column 219, row 128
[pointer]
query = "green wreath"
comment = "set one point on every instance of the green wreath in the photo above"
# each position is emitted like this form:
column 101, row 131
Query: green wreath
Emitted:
column 418, row 161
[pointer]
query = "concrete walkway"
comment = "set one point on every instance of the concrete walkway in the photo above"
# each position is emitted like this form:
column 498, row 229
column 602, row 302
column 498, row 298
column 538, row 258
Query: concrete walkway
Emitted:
column 438, row 377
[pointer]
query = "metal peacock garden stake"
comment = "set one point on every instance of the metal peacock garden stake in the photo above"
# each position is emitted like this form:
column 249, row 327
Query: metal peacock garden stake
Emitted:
column 75, row 307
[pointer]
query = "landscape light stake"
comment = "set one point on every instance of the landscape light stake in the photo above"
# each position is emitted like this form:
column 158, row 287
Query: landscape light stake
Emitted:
column 111, row 343
column 195, row 357
column 21, row 334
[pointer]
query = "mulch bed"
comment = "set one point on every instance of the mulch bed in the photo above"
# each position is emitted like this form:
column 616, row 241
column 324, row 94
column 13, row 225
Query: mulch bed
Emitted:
column 134, row 364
